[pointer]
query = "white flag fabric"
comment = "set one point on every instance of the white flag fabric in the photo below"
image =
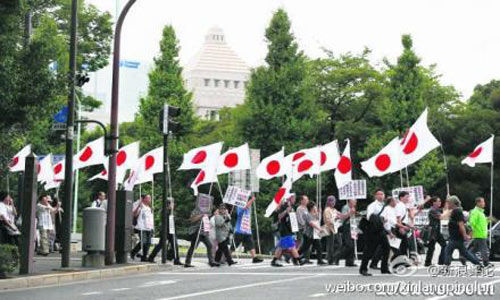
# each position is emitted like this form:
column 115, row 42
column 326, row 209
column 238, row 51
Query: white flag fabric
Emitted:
column 282, row 193
column 90, row 155
column 330, row 156
column 303, row 162
column 200, row 157
column 45, row 173
column 126, row 158
column 17, row 163
column 272, row 166
column 59, row 170
column 206, row 175
column 234, row 159
column 483, row 153
column 343, row 173
column 418, row 141
column 386, row 161
column 101, row 175
column 52, row 184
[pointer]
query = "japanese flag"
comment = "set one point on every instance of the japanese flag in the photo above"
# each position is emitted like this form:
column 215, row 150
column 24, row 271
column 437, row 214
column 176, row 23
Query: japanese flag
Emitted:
column 282, row 193
column 417, row 142
column 18, row 161
column 144, row 169
column 101, row 175
column 330, row 156
column 135, row 178
column 386, row 161
column 272, row 166
column 59, row 170
column 206, row 175
column 306, row 161
column 343, row 173
column 198, row 158
column 52, row 184
column 92, row 154
column 126, row 158
column 483, row 153
column 45, row 172
column 234, row 159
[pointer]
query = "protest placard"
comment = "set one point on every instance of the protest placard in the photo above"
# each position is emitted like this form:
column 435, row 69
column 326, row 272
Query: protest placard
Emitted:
column 355, row 189
column 416, row 195
column 204, row 203
column 236, row 196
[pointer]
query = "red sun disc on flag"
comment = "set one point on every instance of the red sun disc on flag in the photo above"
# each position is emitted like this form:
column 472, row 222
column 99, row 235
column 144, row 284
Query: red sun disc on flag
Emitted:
column 304, row 165
column 121, row 158
column 199, row 157
column 383, row 162
column 104, row 172
column 86, row 155
column 231, row 160
column 279, row 195
column 150, row 161
column 298, row 156
column 14, row 161
column 200, row 177
column 344, row 165
column 58, row 168
column 323, row 158
column 476, row 152
column 411, row 145
column 273, row 167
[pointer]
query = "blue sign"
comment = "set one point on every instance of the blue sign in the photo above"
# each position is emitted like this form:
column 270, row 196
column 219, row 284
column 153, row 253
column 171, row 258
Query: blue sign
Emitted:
column 129, row 64
column 62, row 115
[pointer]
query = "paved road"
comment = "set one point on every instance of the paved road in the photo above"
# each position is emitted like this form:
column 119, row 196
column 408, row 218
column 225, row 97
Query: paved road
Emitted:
column 251, row 281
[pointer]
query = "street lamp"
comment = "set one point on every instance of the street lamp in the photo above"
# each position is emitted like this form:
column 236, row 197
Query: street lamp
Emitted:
column 110, row 224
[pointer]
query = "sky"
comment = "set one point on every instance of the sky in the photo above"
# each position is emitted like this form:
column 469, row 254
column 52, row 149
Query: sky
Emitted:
column 461, row 37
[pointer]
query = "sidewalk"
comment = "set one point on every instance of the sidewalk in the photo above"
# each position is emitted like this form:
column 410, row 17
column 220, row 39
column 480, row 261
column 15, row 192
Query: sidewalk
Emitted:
column 48, row 270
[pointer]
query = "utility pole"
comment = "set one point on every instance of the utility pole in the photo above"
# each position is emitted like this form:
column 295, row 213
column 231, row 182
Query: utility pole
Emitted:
column 68, row 175
column 110, row 224
column 167, row 126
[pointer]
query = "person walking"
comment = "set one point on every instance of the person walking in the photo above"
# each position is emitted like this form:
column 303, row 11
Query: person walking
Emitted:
column 312, row 233
column 222, row 232
column 435, row 217
column 375, row 235
column 199, row 232
column 44, row 213
column 458, row 234
column 479, row 224
column 330, row 215
column 347, row 248
column 143, row 214
column 9, row 233
column 243, row 230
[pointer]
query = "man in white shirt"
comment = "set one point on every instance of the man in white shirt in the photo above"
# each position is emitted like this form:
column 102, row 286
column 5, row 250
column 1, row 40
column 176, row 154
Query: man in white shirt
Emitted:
column 377, row 237
column 100, row 201
column 9, row 232
column 143, row 214
column 404, row 217
column 44, row 223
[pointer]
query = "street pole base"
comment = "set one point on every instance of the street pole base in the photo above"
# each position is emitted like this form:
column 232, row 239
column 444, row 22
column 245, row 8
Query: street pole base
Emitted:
column 122, row 257
column 93, row 260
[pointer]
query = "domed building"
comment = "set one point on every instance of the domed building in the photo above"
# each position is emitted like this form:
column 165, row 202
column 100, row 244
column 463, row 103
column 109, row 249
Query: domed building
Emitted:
column 216, row 76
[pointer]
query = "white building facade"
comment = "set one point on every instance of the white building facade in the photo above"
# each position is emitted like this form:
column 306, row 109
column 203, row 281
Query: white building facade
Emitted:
column 216, row 76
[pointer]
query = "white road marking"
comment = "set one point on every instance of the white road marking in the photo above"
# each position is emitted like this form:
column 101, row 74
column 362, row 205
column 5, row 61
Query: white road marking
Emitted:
column 92, row 293
column 157, row 283
column 236, row 288
column 318, row 295
column 121, row 289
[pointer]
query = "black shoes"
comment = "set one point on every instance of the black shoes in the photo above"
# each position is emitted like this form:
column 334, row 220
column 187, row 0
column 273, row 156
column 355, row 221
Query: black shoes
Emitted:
column 365, row 273
column 178, row 263
column 386, row 272
column 322, row 263
column 214, row 264
column 374, row 267
column 351, row 265
column 230, row 263
column 275, row 263
column 257, row 260
column 188, row 266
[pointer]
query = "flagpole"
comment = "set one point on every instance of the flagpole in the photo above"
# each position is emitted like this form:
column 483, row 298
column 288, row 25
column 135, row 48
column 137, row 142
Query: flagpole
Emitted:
column 407, row 177
column 153, row 192
column 401, row 177
column 491, row 198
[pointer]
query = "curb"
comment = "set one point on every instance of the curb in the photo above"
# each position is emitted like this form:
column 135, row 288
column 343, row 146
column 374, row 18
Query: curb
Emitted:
column 66, row 277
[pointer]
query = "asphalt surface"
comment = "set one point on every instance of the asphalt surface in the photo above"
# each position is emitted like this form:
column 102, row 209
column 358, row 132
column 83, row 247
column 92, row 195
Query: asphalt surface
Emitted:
column 260, row 281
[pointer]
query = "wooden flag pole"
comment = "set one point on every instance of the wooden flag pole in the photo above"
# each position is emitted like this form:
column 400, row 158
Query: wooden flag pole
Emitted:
column 491, row 199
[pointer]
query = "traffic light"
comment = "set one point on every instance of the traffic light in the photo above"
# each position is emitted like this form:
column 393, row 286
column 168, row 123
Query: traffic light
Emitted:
column 167, row 125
